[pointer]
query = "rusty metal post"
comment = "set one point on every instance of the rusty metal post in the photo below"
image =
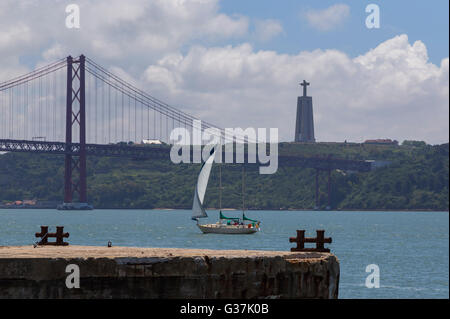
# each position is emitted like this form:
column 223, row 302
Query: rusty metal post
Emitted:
column 43, row 234
column 300, row 239
column 319, row 240
column 59, row 235
column 320, row 237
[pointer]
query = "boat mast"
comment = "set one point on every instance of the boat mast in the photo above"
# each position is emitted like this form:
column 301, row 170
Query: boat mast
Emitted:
column 243, row 189
column 220, row 187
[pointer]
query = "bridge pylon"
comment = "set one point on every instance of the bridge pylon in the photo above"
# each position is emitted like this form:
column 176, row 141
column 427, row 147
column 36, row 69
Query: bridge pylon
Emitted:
column 75, row 118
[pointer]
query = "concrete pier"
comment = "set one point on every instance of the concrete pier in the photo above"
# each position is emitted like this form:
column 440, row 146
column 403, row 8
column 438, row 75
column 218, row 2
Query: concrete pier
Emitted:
column 131, row 272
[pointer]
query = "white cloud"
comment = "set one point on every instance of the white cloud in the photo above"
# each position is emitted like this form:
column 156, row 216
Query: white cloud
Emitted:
column 140, row 30
column 266, row 30
column 391, row 91
column 14, row 37
column 329, row 18
column 55, row 52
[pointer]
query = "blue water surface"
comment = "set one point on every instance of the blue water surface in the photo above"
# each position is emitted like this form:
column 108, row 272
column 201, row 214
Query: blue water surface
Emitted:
column 411, row 249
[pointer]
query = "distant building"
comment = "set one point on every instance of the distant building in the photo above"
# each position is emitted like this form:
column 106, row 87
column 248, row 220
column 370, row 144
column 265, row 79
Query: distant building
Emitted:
column 381, row 142
column 151, row 142
column 20, row 203
column 304, row 126
column 29, row 202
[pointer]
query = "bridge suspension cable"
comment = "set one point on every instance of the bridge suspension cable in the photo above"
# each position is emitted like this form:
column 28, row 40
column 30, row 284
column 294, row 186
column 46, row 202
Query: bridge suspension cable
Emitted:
column 33, row 105
column 28, row 104
column 145, row 99
column 36, row 74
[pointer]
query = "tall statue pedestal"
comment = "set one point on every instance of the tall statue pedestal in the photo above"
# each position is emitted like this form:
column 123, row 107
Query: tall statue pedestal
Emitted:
column 304, row 126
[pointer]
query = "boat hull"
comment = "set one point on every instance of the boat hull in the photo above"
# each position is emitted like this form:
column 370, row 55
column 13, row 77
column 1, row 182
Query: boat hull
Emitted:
column 226, row 229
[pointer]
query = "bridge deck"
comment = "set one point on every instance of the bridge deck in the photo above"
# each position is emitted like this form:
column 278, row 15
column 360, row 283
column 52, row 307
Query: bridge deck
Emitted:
column 163, row 152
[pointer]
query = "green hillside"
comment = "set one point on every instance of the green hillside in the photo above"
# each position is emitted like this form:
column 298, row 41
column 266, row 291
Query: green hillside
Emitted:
column 417, row 179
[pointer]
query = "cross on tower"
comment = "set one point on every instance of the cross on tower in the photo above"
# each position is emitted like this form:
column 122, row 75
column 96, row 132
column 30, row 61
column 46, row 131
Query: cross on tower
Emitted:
column 304, row 84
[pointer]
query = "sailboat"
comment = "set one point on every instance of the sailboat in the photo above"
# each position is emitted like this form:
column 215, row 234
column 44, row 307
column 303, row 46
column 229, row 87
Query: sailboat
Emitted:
column 225, row 225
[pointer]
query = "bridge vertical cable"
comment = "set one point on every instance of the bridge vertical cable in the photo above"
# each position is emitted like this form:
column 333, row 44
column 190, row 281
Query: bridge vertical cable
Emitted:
column 143, row 116
column 26, row 102
column 32, row 107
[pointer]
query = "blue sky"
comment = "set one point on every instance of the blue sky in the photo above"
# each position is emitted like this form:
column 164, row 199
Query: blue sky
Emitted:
column 237, row 63
column 427, row 21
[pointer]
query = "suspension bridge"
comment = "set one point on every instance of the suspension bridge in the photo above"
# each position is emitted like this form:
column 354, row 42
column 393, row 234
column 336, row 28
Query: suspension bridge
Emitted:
column 77, row 108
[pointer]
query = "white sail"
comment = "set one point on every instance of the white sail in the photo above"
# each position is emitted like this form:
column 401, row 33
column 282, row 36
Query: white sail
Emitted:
column 202, row 182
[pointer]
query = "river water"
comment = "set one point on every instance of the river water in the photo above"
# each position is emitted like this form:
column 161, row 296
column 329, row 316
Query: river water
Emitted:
column 411, row 249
